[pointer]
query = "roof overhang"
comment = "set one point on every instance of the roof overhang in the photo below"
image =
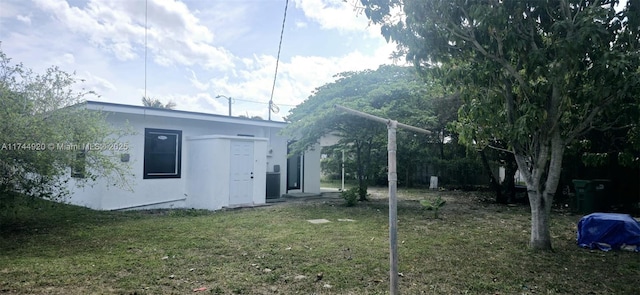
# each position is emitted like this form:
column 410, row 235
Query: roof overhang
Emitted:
column 167, row 113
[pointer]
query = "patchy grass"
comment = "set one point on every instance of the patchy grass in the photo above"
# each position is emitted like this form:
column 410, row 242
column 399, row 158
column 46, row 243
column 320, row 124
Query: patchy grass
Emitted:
column 473, row 248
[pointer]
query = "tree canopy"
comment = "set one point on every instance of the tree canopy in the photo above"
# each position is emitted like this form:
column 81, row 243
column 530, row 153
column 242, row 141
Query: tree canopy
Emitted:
column 387, row 91
column 156, row 103
column 45, row 133
column 390, row 92
column 533, row 74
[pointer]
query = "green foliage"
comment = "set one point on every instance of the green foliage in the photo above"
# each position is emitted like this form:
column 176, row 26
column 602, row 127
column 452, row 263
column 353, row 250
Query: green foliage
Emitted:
column 600, row 147
column 331, row 166
column 156, row 103
column 351, row 196
column 394, row 92
column 460, row 171
column 525, row 69
column 533, row 74
column 390, row 91
column 433, row 204
column 418, row 159
column 44, row 132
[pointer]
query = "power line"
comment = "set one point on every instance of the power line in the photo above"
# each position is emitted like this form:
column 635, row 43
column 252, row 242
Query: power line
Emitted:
column 260, row 102
column 275, row 76
column 253, row 101
column 145, row 48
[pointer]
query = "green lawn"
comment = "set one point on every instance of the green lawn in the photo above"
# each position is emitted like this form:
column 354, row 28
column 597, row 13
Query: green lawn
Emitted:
column 474, row 248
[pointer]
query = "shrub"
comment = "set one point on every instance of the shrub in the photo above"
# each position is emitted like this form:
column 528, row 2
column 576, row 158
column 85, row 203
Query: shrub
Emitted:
column 434, row 204
column 350, row 196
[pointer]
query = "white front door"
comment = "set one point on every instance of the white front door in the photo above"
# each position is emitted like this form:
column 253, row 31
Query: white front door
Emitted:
column 241, row 186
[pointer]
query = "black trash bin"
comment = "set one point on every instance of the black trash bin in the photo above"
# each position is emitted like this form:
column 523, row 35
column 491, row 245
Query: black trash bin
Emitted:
column 273, row 185
column 585, row 196
column 592, row 195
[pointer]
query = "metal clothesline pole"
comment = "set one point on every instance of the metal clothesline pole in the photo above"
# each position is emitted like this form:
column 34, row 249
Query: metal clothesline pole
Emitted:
column 381, row 120
column 393, row 207
column 392, row 126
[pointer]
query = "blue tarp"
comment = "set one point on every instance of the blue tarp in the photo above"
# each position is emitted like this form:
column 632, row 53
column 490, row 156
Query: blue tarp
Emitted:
column 606, row 231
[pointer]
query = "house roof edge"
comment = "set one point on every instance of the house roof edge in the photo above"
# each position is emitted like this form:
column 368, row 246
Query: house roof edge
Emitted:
column 149, row 111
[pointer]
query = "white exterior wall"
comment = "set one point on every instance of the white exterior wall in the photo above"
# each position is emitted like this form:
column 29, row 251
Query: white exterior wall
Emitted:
column 87, row 195
column 259, row 171
column 311, row 170
column 174, row 192
column 205, row 180
column 209, row 164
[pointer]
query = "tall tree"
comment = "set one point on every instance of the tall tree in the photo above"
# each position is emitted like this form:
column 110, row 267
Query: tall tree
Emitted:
column 156, row 103
column 47, row 136
column 390, row 91
column 534, row 74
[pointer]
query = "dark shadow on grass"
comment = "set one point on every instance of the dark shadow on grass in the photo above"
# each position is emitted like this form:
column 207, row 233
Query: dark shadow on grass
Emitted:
column 30, row 221
column 33, row 225
column 29, row 215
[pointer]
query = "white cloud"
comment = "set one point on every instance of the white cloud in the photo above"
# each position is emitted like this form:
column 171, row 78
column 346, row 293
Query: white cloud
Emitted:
column 24, row 18
column 297, row 78
column 123, row 51
column 345, row 16
column 197, row 102
column 103, row 40
column 197, row 83
column 92, row 82
column 174, row 35
column 63, row 60
column 9, row 10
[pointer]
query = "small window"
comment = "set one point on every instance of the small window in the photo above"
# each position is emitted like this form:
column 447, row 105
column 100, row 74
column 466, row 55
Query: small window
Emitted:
column 162, row 153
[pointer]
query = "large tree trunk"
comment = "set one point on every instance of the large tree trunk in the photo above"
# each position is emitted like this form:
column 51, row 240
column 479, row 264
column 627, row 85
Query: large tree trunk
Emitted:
column 540, row 222
column 542, row 174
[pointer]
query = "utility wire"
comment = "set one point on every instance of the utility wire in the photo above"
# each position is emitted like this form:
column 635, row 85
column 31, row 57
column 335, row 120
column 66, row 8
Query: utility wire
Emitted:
column 275, row 76
column 145, row 48
column 261, row 102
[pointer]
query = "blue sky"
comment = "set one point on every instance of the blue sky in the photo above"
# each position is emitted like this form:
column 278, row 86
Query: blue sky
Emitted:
column 196, row 49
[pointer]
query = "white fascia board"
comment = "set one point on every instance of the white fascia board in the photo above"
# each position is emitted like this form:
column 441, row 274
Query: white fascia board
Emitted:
column 147, row 111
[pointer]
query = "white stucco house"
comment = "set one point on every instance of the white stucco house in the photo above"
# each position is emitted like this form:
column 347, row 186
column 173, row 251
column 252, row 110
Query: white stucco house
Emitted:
column 183, row 159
